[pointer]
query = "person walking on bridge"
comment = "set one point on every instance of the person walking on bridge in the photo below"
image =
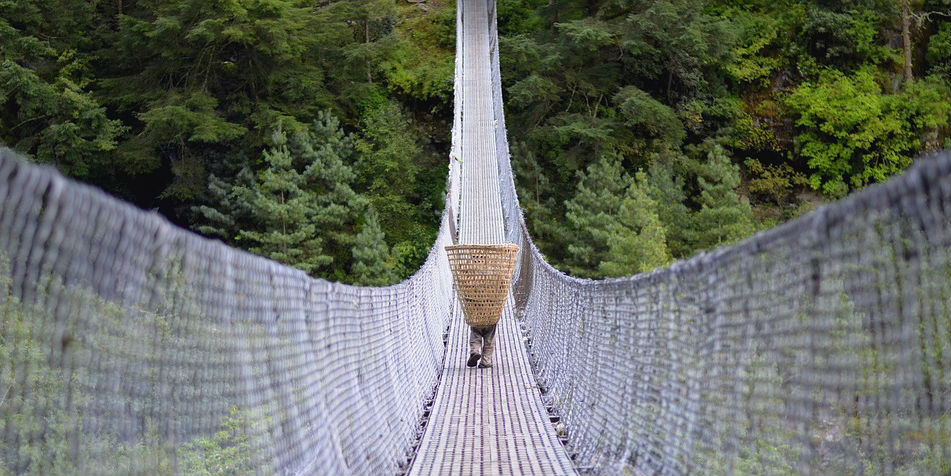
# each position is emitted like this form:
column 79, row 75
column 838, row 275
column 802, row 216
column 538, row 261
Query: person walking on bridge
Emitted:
column 481, row 346
column 482, row 275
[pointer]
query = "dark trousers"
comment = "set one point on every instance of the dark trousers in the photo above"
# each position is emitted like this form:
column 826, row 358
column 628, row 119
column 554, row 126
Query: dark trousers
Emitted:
column 482, row 341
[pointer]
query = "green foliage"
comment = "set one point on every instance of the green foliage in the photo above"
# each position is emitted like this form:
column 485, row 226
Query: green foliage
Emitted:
column 846, row 37
column 299, row 208
column 853, row 134
column 617, row 223
column 280, row 200
column 675, row 41
column 45, row 382
column 654, row 80
column 723, row 217
column 226, row 453
column 773, row 183
column 938, row 54
column 588, row 34
column 164, row 101
column 396, row 172
column 43, row 399
column 180, row 120
column 666, row 189
column 371, row 257
column 518, row 16
column 637, row 238
column 161, row 101
column 195, row 77
column 372, row 21
column 534, row 88
column 753, row 59
column 174, row 124
column 45, row 107
column 34, row 402
column 384, row 142
column 774, row 449
column 591, row 214
column 421, row 64
column 650, row 117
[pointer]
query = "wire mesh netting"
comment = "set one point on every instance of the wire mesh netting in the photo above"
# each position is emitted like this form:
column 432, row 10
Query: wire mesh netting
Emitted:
column 821, row 347
column 128, row 346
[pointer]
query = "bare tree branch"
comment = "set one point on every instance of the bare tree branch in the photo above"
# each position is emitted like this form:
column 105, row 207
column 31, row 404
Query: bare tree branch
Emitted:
column 922, row 17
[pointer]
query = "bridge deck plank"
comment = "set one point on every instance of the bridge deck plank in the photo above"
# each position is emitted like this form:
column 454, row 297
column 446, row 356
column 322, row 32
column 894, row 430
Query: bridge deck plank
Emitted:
column 490, row 421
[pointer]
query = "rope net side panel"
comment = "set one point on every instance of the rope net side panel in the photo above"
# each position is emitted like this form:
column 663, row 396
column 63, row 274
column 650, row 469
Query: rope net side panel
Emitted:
column 819, row 347
column 128, row 346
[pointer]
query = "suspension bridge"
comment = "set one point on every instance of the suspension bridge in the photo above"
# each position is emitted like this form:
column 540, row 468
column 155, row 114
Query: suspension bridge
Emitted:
column 129, row 346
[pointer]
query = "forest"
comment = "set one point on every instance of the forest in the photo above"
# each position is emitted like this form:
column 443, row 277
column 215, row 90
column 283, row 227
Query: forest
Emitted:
column 316, row 132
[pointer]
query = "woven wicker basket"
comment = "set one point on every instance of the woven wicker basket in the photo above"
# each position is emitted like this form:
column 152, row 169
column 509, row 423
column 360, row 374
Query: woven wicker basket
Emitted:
column 482, row 274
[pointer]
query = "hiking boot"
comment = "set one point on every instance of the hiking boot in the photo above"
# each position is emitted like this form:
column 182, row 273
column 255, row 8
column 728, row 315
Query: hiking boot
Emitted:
column 487, row 352
column 473, row 359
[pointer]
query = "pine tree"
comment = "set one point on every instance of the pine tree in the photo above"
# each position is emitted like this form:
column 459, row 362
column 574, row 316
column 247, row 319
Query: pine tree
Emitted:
column 591, row 214
column 666, row 189
column 637, row 238
column 389, row 154
column 221, row 220
column 373, row 21
column 300, row 208
column 285, row 212
column 47, row 111
column 723, row 217
column 325, row 150
column 371, row 257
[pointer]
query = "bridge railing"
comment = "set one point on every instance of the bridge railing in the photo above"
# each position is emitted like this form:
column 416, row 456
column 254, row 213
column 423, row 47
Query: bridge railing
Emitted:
column 130, row 346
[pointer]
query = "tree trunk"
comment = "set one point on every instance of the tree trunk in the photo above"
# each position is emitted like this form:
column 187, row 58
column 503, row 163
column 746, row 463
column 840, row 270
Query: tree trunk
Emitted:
column 366, row 39
column 906, row 37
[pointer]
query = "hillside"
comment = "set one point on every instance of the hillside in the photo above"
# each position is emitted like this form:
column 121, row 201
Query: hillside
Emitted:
column 645, row 131
column 316, row 132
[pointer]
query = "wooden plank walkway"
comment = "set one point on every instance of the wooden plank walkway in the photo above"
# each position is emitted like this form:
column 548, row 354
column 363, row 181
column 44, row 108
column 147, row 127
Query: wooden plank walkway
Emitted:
column 485, row 421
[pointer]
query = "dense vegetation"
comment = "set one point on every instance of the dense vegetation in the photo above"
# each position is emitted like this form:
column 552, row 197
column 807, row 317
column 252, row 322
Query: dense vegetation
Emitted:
column 647, row 130
column 315, row 132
